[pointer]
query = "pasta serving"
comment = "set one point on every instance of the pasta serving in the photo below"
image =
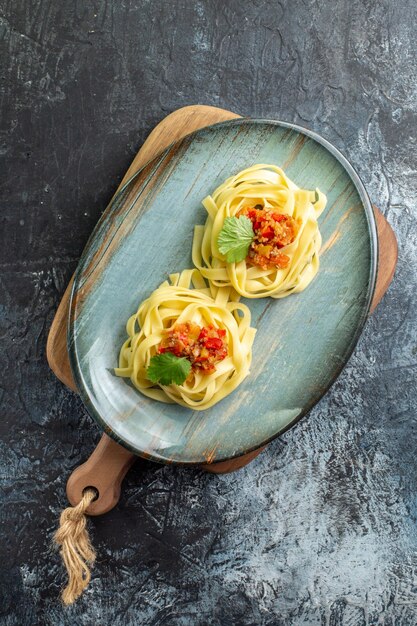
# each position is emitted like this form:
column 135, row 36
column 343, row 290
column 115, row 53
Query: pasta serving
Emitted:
column 261, row 235
column 188, row 343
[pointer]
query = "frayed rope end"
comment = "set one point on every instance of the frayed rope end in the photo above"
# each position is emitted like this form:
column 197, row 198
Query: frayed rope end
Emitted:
column 76, row 550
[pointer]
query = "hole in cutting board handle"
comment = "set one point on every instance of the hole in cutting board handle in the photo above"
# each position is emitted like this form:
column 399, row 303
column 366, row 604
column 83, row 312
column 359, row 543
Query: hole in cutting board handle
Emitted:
column 97, row 496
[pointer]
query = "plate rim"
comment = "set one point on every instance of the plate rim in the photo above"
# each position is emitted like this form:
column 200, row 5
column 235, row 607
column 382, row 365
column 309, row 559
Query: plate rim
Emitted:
column 373, row 269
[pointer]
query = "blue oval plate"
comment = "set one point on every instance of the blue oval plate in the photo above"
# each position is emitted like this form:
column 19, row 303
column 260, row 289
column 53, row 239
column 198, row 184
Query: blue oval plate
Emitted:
column 302, row 342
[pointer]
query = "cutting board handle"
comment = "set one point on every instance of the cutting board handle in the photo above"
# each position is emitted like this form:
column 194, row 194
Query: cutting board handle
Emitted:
column 103, row 471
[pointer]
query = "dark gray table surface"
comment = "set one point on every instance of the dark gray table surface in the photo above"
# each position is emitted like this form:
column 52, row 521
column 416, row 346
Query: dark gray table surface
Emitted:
column 321, row 528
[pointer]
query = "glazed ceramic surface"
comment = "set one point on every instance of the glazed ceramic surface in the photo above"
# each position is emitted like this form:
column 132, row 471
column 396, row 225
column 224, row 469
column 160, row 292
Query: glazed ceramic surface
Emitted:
column 302, row 342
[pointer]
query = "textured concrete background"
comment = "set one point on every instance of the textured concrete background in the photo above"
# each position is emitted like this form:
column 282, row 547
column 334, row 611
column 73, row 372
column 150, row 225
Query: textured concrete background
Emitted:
column 321, row 528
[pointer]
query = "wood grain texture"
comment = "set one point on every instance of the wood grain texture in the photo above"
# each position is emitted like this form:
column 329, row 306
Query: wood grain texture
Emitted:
column 388, row 257
column 104, row 470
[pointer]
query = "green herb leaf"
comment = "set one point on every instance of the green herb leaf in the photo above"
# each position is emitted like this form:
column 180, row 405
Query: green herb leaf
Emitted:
column 316, row 197
column 235, row 238
column 167, row 368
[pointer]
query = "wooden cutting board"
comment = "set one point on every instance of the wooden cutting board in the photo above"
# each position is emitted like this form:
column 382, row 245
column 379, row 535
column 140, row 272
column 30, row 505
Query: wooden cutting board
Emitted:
column 172, row 128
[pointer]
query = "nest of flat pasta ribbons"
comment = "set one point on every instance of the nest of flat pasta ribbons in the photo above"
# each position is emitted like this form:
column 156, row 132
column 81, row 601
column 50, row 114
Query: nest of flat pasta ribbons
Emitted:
column 202, row 346
column 273, row 231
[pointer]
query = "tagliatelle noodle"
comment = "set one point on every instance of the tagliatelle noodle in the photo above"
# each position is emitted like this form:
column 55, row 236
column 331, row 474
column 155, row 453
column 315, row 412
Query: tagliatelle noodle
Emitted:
column 268, row 186
column 186, row 297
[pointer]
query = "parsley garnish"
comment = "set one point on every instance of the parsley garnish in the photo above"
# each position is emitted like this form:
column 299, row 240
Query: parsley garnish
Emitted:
column 235, row 238
column 167, row 368
column 316, row 197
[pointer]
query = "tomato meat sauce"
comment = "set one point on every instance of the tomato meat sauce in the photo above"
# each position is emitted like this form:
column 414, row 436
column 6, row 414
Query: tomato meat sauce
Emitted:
column 203, row 346
column 272, row 231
